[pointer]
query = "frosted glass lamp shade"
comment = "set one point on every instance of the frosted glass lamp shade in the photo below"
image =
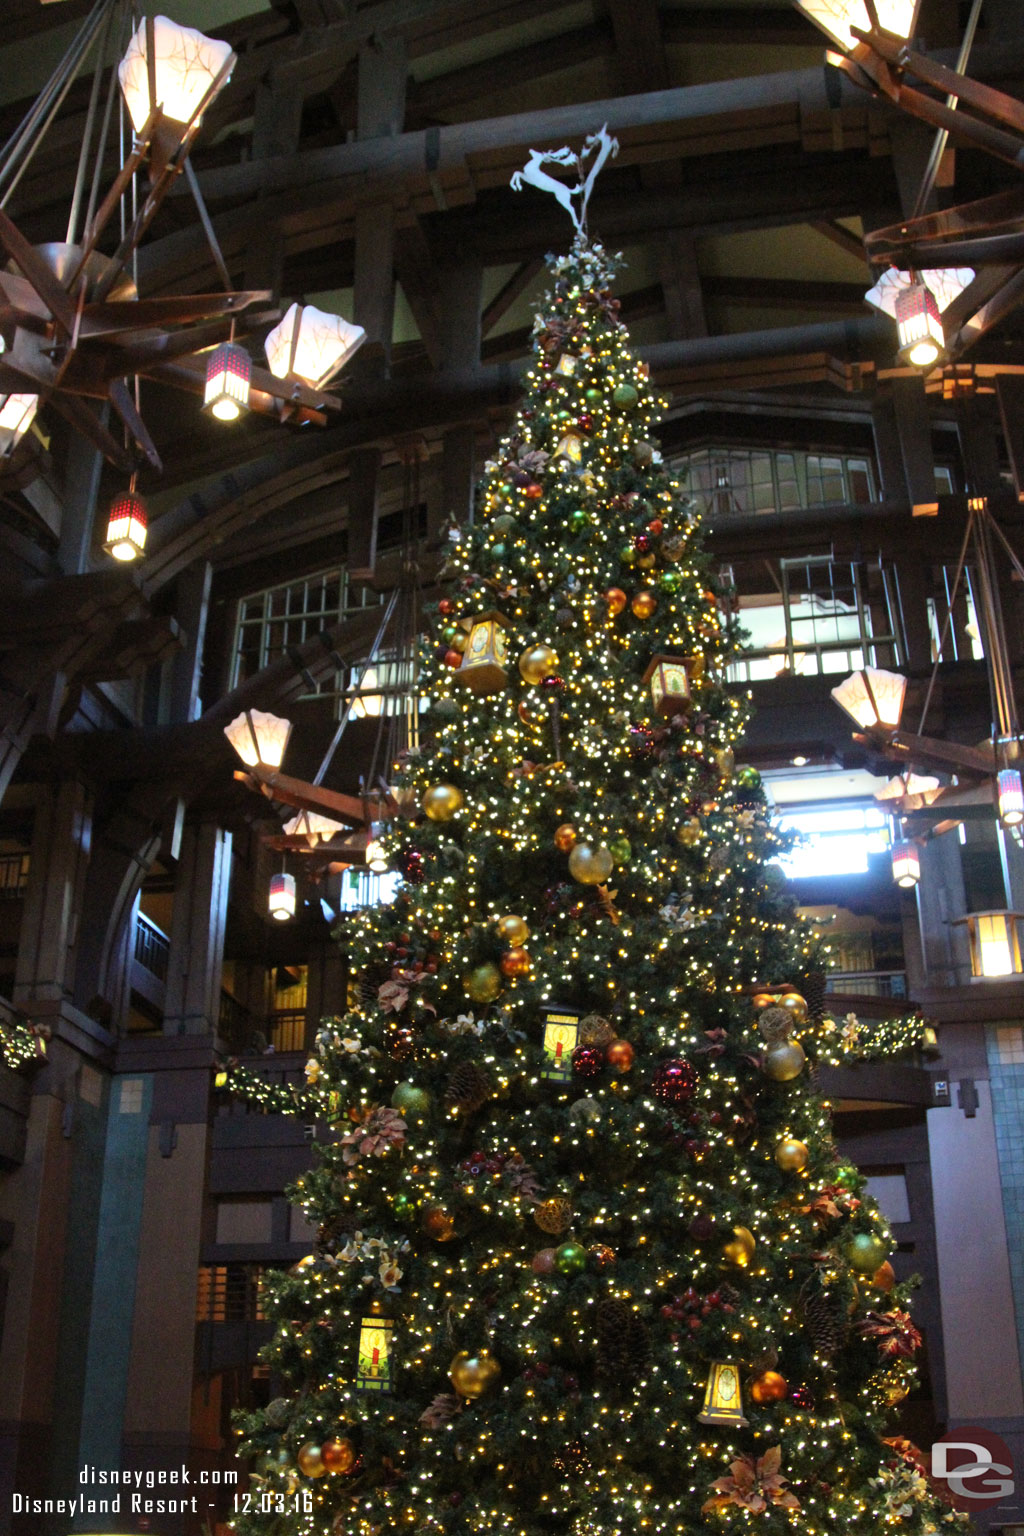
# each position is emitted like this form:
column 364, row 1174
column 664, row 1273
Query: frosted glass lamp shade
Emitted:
column 126, row 527
column 311, row 345
column 259, row 738
column 872, row 697
column 17, row 413
column 281, row 901
column 186, row 64
column 366, row 702
column 906, row 863
column 836, row 18
column 312, row 826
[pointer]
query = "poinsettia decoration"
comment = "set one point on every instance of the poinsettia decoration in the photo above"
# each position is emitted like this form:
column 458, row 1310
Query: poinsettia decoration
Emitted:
column 754, row 1484
column 393, row 995
column 829, row 1204
column 379, row 1128
column 894, row 1333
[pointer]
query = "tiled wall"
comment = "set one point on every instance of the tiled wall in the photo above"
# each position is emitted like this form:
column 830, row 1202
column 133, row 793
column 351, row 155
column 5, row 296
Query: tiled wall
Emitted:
column 1005, row 1049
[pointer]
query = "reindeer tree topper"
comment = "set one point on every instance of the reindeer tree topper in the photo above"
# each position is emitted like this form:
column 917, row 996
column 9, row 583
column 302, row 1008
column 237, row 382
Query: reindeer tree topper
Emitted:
column 599, row 144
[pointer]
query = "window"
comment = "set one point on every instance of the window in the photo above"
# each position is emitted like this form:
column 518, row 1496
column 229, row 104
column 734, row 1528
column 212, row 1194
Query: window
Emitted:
column 836, row 839
column 962, row 639
column 272, row 620
column 362, row 888
column 731, row 482
column 819, row 619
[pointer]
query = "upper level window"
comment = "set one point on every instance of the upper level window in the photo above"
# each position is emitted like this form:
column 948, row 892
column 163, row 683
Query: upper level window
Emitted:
column 836, row 839
column 731, row 482
column 278, row 617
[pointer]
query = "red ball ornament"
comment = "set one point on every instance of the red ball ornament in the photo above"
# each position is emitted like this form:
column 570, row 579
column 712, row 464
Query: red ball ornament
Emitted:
column 675, row 1081
column 446, row 606
column 602, row 1256
column 585, row 422
column 655, row 526
column 453, row 659
column 619, row 1055
column 588, row 1061
column 410, row 864
column 642, row 543
column 616, row 600
column 515, row 962
column 533, row 492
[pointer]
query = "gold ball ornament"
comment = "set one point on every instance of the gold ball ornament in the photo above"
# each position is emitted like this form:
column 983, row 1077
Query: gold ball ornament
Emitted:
column 689, row 833
column 883, row 1279
column 794, row 1004
column 537, row 663
column 442, row 801
column 554, row 1215
column 310, row 1459
column 473, row 1375
column 616, row 600
column 459, row 641
column 724, row 760
column 595, row 1029
column 619, row 1055
column 439, row 1224
column 515, row 962
column 590, row 863
column 644, row 603
column 338, row 1455
column 769, row 1387
column 783, row 1061
column 483, row 984
column 739, row 1250
column 791, row 1155
column 565, row 837
column 513, row 930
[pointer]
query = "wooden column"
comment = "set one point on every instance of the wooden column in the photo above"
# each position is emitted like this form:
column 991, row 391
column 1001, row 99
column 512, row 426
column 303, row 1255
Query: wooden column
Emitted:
column 681, row 285
column 277, row 125
column 81, row 488
column 197, row 931
column 363, row 479
column 380, row 113
column 1010, row 393
column 461, row 308
column 913, row 423
column 458, row 479
column 191, row 609
column 49, row 929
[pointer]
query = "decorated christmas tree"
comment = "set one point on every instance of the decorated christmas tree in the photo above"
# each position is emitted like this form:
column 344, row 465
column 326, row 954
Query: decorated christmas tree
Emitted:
column 587, row 1260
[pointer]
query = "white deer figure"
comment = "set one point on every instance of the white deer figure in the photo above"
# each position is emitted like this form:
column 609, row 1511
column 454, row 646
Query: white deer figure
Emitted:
column 532, row 172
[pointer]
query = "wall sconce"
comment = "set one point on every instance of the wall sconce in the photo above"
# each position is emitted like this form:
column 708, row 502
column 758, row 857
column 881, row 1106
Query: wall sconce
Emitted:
column 1010, row 797
column 995, row 946
column 228, row 373
column 259, row 738
column 872, row 698
column 126, row 527
column 281, row 900
column 922, row 339
column 906, row 863
column 723, row 1403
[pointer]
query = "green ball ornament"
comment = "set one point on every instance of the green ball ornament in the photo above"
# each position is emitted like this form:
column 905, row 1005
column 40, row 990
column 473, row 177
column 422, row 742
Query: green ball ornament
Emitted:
column 448, row 633
column 404, row 1206
column 499, row 551
column 620, row 850
column 563, row 416
column 627, row 555
column 593, row 397
column 625, row 397
column 483, row 984
column 579, row 519
column 570, row 1258
column 847, row 1177
column 669, row 581
column 503, row 523
column 410, row 1099
column 865, row 1253
column 748, row 777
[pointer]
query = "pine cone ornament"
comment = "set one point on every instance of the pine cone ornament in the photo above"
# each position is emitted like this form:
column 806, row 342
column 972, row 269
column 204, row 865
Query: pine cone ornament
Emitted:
column 775, row 1024
column 468, row 1089
column 825, row 1321
column 812, row 988
column 623, row 1345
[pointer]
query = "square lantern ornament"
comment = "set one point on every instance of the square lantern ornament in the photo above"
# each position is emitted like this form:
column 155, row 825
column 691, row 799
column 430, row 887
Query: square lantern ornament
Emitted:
column 126, row 527
column 670, row 678
column 561, row 1035
column 922, row 337
column 906, row 863
column 723, row 1403
column 483, row 661
column 375, row 1367
column 837, row 18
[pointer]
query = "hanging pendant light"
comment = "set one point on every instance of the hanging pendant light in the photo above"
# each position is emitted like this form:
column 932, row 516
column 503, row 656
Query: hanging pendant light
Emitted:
column 1010, row 793
column 259, row 737
column 17, row 413
column 873, row 698
column 187, row 66
column 311, row 345
column 376, row 859
column 228, row 372
column 837, row 18
column 281, row 902
column 906, row 863
column 126, row 526
column 922, row 340
column 995, row 946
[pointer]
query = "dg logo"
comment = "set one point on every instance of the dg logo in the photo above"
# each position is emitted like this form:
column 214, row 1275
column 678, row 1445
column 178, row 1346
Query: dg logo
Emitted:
column 976, row 1467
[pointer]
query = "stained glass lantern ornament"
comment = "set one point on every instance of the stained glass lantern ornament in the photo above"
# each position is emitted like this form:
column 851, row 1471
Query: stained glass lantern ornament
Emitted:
column 922, row 339
column 483, row 661
column 1010, row 797
column 375, row 1367
column 561, row 1037
column 723, row 1403
column 670, row 678
column 281, row 900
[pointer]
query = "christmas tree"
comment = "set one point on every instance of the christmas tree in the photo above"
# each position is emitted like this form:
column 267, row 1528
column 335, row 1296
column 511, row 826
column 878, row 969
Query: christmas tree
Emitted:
column 586, row 1259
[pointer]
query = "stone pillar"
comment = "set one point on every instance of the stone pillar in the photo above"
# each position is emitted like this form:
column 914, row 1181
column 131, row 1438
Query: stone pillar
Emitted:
column 192, row 1003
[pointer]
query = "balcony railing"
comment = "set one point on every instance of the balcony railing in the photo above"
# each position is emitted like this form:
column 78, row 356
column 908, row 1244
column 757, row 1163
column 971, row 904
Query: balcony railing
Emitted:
column 152, row 947
column 229, row 1293
column 286, row 1029
column 867, row 983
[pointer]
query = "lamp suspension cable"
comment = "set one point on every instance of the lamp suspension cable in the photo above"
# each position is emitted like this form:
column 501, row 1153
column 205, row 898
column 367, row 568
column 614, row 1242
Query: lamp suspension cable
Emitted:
column 941, row 139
